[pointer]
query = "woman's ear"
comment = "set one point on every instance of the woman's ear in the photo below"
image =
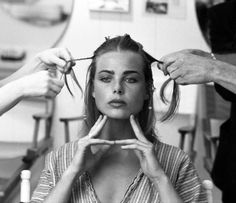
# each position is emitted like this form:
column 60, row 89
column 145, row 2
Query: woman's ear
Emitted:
column 146, row 97
column 93, row 93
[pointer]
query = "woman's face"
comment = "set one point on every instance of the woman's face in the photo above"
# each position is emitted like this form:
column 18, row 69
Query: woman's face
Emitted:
column 119, row 84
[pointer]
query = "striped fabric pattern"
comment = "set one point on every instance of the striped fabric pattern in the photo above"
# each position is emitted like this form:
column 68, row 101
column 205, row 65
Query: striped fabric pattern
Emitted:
column 176, row 164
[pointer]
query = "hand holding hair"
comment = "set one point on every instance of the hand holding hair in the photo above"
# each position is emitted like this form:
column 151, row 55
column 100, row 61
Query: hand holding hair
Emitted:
column 188, row 66
column 39, row 84
column 54, row 58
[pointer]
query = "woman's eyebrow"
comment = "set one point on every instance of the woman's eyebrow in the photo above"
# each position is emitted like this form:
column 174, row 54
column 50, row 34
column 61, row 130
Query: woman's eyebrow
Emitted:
column 124, row 73
column 107, row 71
column 131, row 72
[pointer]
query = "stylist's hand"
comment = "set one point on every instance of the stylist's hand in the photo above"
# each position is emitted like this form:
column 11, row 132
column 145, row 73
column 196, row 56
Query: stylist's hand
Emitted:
column 188, row 66
column 50, row 59
column 84, row 158
column 39, row 84
column 144, row 150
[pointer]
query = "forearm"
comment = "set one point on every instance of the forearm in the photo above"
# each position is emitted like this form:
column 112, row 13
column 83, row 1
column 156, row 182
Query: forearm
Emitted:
column 10, row 95
column 224, row 73
column 62, row 191
column 166, row 189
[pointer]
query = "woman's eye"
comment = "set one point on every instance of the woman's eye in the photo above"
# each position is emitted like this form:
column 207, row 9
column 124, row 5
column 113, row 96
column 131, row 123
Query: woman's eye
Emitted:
column 131, row 80
column 105, row 79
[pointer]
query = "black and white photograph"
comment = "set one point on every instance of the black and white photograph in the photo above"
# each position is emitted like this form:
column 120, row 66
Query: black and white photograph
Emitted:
column 117, row 101
column 109, row 5
column 157, row 6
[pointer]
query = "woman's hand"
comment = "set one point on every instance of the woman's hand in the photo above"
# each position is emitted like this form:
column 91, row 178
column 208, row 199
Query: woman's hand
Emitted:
column 50, row 59
column 84, row 157
column 39, row 84
column 144, row 149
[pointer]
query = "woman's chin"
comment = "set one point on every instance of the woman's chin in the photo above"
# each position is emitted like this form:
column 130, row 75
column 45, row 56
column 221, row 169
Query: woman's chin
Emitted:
column 117, row 116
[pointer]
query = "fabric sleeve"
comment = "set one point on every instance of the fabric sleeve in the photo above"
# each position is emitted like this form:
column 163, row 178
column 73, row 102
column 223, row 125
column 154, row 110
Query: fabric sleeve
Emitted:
column 189, row 185
column 46, row 182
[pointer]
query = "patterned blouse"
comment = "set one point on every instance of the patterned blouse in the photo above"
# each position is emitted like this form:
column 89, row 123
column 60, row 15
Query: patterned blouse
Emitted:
column 176, row 164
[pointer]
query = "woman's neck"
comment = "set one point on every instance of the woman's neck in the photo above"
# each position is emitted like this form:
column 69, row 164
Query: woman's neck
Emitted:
column 117, row 129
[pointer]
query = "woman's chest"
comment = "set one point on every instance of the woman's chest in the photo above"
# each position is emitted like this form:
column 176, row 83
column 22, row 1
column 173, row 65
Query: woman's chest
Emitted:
column 114, row 189
column 113, row 186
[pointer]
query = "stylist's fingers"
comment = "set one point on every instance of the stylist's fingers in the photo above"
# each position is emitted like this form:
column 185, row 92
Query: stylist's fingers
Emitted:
column 52, row 57
column 56, row 85
column 171, row 68
column 55, row 57
column 167, row 61
column 49, row 86
column 66, row 55
column 50, row 94
column 175, row 67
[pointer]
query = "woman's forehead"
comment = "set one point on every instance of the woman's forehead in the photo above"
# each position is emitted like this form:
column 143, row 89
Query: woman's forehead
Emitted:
column 120, row 60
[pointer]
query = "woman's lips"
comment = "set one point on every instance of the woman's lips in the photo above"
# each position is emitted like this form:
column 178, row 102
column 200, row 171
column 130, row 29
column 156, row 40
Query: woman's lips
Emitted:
column 117, row 103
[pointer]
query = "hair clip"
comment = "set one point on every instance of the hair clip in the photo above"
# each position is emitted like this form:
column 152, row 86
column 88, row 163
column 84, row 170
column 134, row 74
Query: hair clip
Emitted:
column 68, row 69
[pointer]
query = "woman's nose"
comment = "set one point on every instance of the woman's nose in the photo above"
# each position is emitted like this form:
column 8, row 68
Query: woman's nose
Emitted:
column 118, row 89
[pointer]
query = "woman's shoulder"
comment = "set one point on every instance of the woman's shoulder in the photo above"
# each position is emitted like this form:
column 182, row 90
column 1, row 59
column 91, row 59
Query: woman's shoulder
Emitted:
column 173, row 160
column 67, row 149
column 170, row 153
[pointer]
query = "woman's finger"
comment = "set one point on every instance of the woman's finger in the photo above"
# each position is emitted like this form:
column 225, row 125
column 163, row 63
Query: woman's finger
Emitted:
column 137, row 129
column 134, row 147
column 100, row 142
column 85, row 142
column 98, row 128
column 129, row 142
column 95, row 124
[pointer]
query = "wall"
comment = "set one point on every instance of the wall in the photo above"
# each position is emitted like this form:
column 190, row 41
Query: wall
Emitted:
column 158, row 34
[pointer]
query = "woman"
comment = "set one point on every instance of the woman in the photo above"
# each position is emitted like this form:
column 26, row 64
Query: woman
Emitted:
column 120, row 159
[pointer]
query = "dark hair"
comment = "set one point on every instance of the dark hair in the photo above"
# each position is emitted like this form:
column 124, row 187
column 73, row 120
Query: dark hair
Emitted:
column 146, row 117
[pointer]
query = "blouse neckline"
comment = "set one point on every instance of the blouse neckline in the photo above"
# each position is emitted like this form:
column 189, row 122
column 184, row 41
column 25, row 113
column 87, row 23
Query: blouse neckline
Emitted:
column 128, row 192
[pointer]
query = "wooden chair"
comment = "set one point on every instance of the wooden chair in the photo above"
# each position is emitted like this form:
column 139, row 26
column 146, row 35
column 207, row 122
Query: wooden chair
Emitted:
column 30, row 152
column 66, row 122
column 188, row 132
column 216, row 112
